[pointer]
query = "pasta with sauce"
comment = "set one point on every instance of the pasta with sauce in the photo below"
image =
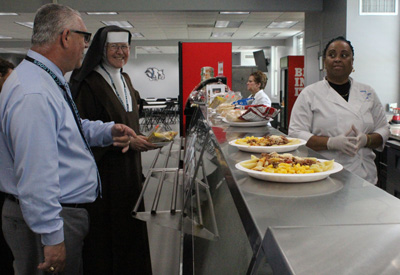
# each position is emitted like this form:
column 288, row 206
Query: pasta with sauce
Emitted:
column 272, row 140
column 287, row 164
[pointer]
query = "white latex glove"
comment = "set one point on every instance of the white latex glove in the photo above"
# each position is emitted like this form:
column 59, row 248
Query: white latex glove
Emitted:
column 343, row 143
column 361, row 138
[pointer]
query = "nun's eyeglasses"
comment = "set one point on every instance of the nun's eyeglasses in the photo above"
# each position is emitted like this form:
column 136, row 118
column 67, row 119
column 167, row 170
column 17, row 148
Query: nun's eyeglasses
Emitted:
column 116, row 47
column 86, row 35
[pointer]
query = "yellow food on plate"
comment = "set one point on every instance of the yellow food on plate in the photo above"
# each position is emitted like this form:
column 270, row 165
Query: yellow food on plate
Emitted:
column 162, row 136
column 272, row 140
column 287, row 164
column 217, row 101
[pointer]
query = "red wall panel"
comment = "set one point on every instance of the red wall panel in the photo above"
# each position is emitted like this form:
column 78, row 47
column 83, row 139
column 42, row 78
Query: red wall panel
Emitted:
column 295, row 80
column 194, row 56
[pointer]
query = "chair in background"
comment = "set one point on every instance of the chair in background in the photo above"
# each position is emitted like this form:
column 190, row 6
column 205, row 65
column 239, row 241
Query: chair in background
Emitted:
column 150, row 99
column 171, row 112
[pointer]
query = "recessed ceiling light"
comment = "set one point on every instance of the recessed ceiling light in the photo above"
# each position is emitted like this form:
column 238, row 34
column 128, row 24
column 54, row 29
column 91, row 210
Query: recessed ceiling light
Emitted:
column 221, row 24
column 199, row 26
column 151, row 49
column 234, row 12
column 136, row 34
column 8, row 13
column 282, row 25
column 221, row 34
column 122, row 24
column 25, row 24
column 228, row 24
column 5, row 37
column 102, row 13
column 266, row 34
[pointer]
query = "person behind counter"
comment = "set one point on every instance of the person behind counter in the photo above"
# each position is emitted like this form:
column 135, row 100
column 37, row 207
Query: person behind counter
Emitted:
column 6, row 258
column 255, row 85
column 339, row 117
column 46, row 166
column 117, row 243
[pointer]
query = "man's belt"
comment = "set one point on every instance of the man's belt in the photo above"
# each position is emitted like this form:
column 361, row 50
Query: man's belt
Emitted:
column 71, row 205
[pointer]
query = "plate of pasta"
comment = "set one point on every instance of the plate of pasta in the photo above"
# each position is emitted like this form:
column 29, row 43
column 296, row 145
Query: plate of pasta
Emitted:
column 288, row 168
column 267, row 144
column 246, row 123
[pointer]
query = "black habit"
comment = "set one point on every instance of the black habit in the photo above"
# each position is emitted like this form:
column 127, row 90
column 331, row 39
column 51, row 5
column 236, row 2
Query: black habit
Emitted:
column 117, row 243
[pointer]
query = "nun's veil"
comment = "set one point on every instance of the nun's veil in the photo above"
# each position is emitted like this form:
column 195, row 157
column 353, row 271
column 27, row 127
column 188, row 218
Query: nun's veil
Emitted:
column 93, row 57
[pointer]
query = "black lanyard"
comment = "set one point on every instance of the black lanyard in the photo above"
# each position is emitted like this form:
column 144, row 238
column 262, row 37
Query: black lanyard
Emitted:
column 70, row 102
column 116, row 91
column 72, row 106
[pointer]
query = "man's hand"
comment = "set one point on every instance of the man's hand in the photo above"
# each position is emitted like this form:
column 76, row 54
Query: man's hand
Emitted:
column 122, row 136
column 54, row 258
column 141, row 144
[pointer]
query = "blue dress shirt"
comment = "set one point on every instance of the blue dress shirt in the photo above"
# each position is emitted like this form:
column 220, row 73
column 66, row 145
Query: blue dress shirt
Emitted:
column 43, row 158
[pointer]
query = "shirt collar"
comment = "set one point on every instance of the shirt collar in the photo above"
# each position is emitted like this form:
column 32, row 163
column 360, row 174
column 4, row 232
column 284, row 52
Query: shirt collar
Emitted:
column 259, row 94
column 49, row 64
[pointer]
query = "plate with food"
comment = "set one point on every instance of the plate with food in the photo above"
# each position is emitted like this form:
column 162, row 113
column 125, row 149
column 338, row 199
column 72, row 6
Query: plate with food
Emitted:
column 288, row 168
column 162, row 144
column 267, row 144
column 160, row 138
column 246, row 123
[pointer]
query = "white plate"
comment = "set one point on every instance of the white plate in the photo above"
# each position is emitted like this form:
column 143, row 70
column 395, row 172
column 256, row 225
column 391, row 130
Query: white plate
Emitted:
column 269, row 149
column 290, row 177
column 246, row 123
column 162, row 144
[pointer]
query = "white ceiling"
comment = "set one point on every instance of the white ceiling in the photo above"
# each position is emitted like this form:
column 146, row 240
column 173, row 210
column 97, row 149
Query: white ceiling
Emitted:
column 165, row 29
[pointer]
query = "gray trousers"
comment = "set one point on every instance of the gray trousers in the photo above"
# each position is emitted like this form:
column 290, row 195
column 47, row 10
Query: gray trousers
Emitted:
column 26, row 245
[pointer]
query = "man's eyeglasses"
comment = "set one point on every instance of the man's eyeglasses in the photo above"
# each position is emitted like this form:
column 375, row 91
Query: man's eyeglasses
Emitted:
column 86, row 35
column 116, row 47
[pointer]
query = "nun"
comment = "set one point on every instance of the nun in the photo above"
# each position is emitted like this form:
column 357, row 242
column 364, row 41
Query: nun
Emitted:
column 116, row 243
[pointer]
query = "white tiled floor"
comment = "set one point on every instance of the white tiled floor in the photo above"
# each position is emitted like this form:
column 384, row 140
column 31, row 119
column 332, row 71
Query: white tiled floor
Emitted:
column 164, row 241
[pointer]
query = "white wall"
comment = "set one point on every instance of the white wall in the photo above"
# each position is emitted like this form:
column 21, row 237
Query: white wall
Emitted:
column 376, row 44
column 279, row 52
column 135, row 68
column 168, row 87
column 247, row 59
column 375, row 40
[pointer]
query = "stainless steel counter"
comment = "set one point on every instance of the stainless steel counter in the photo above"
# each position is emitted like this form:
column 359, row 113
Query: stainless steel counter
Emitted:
column 354, row 249
column 333, row 209
column 394, row 137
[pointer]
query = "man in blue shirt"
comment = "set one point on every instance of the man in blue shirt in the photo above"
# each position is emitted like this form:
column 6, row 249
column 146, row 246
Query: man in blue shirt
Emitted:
column 46, row 165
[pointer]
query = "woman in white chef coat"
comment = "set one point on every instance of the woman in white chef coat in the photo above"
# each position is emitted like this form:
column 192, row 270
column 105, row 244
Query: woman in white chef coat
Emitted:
column 255, row 85
column 339, row 117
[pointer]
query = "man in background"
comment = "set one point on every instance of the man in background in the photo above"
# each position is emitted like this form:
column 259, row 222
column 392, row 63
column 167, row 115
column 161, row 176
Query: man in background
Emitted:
column 5, row 70
column 6, row 258
column 47, row 168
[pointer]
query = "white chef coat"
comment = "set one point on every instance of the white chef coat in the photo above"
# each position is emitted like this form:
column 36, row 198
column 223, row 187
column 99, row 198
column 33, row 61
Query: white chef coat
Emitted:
column 261, row 98
column 321, row 111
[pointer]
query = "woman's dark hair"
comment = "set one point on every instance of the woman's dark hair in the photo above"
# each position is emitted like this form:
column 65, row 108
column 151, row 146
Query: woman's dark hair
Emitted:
column 260, row 77
column 339, row 38
column 5, row 66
